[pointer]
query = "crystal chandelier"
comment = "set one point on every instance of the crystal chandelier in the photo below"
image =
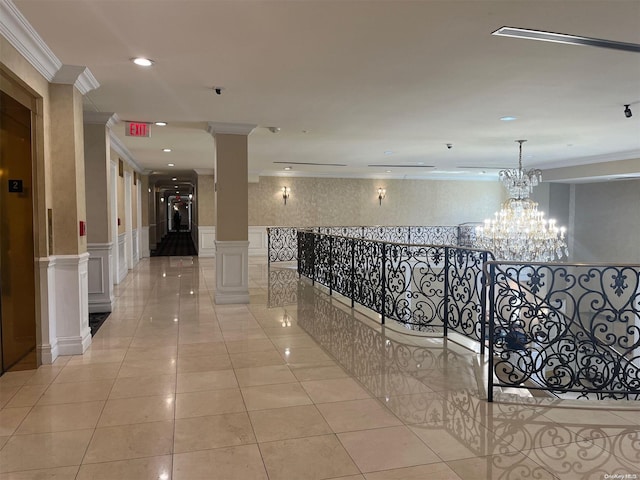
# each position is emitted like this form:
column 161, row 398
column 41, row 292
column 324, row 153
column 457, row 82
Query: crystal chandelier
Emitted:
column 519, row 232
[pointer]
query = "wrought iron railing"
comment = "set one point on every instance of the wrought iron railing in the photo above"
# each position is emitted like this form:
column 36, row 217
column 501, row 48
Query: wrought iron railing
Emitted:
column 569, row 329
column 425, row 287
column 563, row 328
column 282, row 242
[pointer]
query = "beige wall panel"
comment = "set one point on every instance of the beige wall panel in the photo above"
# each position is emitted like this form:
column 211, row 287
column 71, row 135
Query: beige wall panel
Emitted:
column 607, row 222
column 144, row 207
column 120, row 201
column 206, row 201
column 81, row 203
column 97, row 183
column 344, row 201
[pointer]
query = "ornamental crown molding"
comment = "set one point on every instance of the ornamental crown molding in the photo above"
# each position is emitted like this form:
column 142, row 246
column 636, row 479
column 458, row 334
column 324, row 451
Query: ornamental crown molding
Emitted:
column 108, row 119
column 203, row 171
column 230, row 128
column 124, row 153
column 23, row 37
column 77, row 75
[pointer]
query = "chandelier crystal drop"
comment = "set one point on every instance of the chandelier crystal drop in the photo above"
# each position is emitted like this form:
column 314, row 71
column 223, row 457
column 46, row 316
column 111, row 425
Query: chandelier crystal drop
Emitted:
column 519, row 232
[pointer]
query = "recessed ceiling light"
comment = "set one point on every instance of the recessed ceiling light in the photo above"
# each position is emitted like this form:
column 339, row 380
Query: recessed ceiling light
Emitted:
column 174, row 178
column 388, row 171
column 388, row 152
column 161, row 124
column 142, row 62
column 166, row 150
column 287, row 168
column 170, row 165
column 508, row 118
column 177, row 191
column 175, row 186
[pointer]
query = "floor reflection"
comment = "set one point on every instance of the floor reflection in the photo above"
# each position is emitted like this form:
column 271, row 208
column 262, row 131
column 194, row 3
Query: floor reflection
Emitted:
column 430, row 385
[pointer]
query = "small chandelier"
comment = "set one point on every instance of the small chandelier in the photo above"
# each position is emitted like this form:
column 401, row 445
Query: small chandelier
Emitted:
column 519, row 232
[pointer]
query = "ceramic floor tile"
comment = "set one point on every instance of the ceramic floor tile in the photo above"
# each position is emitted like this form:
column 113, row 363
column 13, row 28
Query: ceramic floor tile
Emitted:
column 27, row 396
column 275, row 396
column 200, row 404
column 201, row 381
column 148, row 468
column 318, row 372
column 11, row 418
column 307, row 458
column 60, row 473
column 130, row 441
column 289, row 422
column 307, row 357
column 334, row 390
column 58, row 418
column 231, row 463
column 154, row 385
column 123, row 411
column 44, row 450
column 87, row 373
column 202, row 349
column 98, row 356
column 76, row 392
column 16, row 378
column 7, row 392
column 386, row 448
column 147, row 367
column 256, row 359
column 500, row 467
column 433, row 471
column 250, row 345
column 272, row 374
column 204, row 433
column 206, row 363
column 357, row 415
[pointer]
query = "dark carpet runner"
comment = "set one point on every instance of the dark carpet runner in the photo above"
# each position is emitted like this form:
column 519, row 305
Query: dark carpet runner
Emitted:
column 175, row 244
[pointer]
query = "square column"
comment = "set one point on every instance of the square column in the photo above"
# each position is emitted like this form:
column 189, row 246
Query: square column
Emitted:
column 232, row 212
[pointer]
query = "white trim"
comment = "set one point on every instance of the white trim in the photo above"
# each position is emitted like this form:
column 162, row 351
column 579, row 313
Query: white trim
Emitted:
column 47, row 346
column 206, row 241
column 124, row 153
column 128, row 224
column 215, row 128
column 122, row 258
column 203, row 171
column 258, row 241
column 135, row 255
column 24, row 38
column 232, row 272
column 100, row 277
column 72, row 304
column 77, row 75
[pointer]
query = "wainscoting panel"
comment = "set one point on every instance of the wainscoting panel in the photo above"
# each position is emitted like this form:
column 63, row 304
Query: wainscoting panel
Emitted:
column 100, row 277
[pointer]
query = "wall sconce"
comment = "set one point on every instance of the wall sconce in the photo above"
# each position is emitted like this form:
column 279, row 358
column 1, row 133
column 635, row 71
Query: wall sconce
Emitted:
column 285, row 193
column 381, row 194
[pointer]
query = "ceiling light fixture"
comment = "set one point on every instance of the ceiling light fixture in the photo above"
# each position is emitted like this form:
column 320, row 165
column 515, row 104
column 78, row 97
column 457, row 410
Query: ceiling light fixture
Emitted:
column 519, row 232
column 161, row 124
column 274, row 129
column 142, row 62
column 170, row 165
column 564, row 38
column 287, row 168
column 627, row 111
column 166, row 150
column 508, row 118
column 174, row 178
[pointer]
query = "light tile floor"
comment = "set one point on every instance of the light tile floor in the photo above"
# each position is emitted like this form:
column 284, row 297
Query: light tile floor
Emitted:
column 293, row 386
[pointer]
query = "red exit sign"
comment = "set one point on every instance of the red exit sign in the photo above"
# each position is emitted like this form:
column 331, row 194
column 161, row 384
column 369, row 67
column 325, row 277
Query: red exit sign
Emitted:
column 137, row 129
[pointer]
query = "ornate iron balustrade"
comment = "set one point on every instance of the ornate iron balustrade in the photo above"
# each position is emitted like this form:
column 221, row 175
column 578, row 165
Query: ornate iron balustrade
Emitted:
column 425, row 287
column 565, row 328
column 282, row 242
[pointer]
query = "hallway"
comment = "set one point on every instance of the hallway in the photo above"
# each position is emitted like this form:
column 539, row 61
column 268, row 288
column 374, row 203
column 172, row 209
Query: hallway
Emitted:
column 290, row 387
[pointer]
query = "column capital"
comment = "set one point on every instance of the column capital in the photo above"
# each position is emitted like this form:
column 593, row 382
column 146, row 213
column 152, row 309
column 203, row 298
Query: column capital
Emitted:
column 77, row 75
column 203, row 171
column 108, row 119
column 215, row 128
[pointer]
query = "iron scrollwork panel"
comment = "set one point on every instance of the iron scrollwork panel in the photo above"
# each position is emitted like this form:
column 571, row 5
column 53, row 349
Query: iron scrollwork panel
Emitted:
column 282, row 244
column 434, row 235
column 305, row 253
column 568, row 329
column 342, row 273
column 465, row 301
column 323, row 260
column 368, row 274
column 415, row 285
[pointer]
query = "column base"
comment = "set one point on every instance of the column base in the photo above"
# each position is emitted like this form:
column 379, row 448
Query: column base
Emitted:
column 232, row 272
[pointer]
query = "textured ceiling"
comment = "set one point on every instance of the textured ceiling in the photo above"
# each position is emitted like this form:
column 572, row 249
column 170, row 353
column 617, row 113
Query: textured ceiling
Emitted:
column 358, row 83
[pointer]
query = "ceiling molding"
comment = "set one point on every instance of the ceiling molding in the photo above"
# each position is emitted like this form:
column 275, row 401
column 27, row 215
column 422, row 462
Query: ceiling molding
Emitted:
column 23, row 37
column 215, row 128
column 125, row 154
column 108, row 119
column 378, row 176
column 77, row 75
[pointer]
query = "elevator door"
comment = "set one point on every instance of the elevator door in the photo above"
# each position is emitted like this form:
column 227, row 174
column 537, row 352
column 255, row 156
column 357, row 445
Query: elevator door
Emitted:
column 17, row 263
